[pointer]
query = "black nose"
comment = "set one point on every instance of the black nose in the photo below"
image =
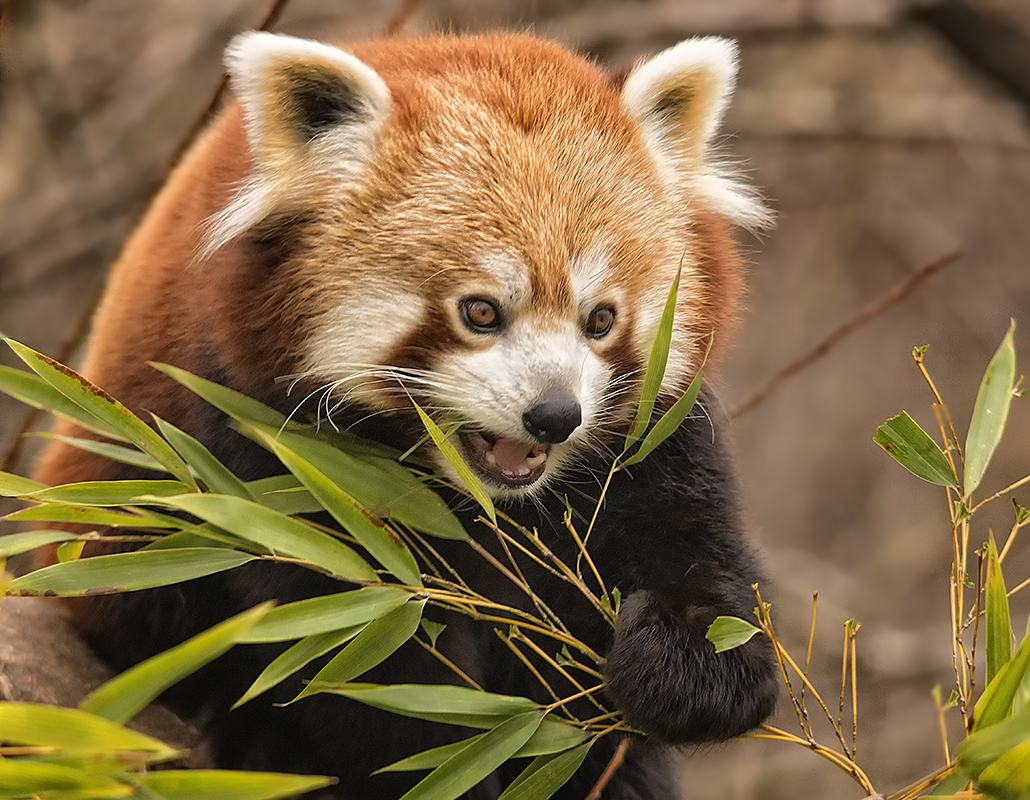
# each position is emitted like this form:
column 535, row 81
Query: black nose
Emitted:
column 554, row 419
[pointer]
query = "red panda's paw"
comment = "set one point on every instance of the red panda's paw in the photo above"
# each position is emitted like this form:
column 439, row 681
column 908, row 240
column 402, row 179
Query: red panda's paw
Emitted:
column 668, row 681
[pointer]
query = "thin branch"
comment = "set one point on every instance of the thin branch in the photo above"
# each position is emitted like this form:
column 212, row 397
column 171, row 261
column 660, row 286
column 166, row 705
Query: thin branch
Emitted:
column 85, row 320
column 401, row 19
column 616, row 761
column 862, row 318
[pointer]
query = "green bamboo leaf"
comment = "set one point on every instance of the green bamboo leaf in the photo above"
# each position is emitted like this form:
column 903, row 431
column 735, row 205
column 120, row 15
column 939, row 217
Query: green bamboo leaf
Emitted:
column 31, row 779
column 382, row 543
column 326, row 613
column 990, row 412
column 32, row 390
column 465, row 474
column 1008, row 777
column 381, row 485
column 296, row 657
column 656, row 364
column 455, row 705
column 950, row 786
column 553, row 736
column 475, row 762
column 366, row 470
column 123, row 697
column 999, row 627
column 983, row 747
column 380, row 639
column 14, row 543
column 89, row 515
column 15, row 485
column 670, row 420
column 216, row 477
column 995, row 704
column 285, row 494
column 279, row 533
column 546, row 774
column 229, row 401
column 113, row 452
column 911, row 447
column 106, row 409
column 109, row 493
column 203, row 784
column 729, row 632
column 74, row 731
column 123, row 572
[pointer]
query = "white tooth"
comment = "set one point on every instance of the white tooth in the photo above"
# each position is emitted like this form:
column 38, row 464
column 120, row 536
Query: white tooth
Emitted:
column 490, row 458
column 535, row 461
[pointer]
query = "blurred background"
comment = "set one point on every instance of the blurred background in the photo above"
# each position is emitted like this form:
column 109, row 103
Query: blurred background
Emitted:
column 886, row 134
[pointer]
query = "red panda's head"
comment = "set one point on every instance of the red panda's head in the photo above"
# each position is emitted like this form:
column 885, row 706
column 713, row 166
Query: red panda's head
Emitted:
column 491, row 224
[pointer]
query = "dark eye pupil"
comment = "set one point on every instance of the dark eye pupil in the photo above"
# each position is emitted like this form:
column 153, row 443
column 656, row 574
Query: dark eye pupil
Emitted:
column 601, row 320
column 480, row 314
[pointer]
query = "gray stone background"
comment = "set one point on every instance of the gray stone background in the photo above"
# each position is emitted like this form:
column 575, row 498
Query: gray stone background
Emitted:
column 885, row 133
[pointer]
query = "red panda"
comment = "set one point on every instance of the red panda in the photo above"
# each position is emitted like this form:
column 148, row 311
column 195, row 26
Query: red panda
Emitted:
column 491, row 224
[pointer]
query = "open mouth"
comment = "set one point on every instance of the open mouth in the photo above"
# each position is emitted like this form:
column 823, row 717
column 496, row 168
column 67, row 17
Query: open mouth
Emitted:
column 508, row 462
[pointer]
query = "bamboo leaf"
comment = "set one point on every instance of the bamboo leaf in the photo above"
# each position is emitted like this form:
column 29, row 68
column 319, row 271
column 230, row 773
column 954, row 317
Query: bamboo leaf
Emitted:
column 475, row 762
column 114, row 452
column 553, row 736
column 88, row 515
column 670, row 420
column 109, row 493
column 990, row 412
column 383, row 486
column 216, row 477
column 455, row 705
column 279, row 533
column 465, row 474
column 229, row 401
column 380, row 639
column 729, row 632
column 656, row 364
column 14, row 485
column 384, row 544
column 22, row 778
column 985, row 746
column 911, row 447
column 121, row 698
column 327, row 613
column 999, row 626
column 995, row 704
column 32, row 390
column 202, row 784
column 15, row 543
column 546, row 774
column 123, row 572
column 106, row 409
column 297, row 657
column 1008, row 776
column 365, row 469
column 73, row 730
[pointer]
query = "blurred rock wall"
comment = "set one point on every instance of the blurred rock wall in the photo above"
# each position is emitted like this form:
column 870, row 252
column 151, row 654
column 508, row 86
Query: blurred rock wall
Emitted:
column 883, row 140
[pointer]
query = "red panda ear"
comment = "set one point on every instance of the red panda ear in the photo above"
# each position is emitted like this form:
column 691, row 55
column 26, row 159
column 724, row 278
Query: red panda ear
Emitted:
column 679, row 98
column 311, row 110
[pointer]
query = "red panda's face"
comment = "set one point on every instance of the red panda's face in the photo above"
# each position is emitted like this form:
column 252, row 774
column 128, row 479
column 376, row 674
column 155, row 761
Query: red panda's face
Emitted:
column 491, row 231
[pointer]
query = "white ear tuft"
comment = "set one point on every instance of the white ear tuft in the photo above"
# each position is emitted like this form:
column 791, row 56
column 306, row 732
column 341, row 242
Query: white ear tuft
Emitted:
column 311, row 110
column 679, row 98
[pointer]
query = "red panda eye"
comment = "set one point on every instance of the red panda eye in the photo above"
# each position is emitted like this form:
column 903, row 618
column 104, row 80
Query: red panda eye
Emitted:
column 600, row 321
column 480, row 315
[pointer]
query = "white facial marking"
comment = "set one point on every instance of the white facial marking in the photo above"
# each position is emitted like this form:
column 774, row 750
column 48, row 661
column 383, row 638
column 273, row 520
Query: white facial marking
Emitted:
column 359, row 334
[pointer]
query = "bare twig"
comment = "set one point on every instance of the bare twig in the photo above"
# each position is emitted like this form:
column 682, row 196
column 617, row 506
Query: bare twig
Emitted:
column 84, row 322
column 401, row 18
column 616, row 761
column 863, row 317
